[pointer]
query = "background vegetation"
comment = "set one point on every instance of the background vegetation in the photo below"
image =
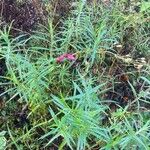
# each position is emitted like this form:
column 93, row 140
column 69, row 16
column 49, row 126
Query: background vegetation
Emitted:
column 75, row 75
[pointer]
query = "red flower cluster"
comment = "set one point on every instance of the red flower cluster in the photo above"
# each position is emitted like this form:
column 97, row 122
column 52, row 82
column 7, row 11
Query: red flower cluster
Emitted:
column 67, row 56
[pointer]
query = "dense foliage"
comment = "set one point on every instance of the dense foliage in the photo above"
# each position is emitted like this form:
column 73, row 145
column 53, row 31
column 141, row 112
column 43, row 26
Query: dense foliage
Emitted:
column 78, row 77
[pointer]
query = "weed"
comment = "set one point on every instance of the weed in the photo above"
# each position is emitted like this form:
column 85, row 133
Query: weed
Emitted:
column 79, row 81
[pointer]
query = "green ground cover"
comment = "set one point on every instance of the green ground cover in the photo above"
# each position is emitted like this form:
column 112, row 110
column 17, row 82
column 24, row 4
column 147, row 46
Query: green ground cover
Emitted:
column 79, row 80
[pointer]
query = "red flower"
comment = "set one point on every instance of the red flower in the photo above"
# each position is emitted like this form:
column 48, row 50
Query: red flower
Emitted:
column 70, row 57
column 61, row 58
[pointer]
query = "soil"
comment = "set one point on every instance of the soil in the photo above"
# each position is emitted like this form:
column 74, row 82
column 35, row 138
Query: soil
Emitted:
column 20, row 119
column 2, row 67
column 23, row 16
column 26, row 15
column 2, row 73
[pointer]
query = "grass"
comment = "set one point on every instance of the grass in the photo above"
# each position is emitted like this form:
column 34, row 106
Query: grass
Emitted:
column 99, row 101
